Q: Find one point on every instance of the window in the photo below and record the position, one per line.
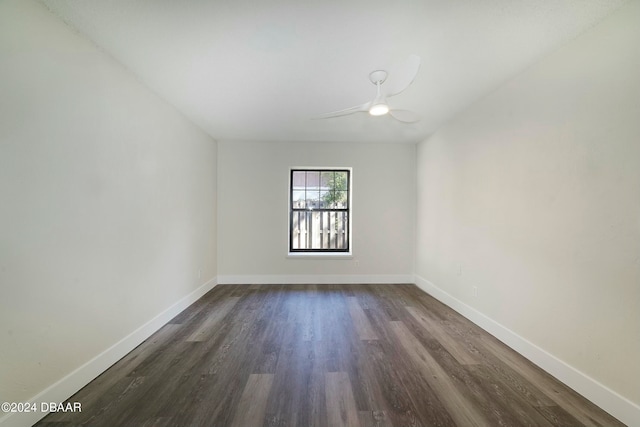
(319, 210)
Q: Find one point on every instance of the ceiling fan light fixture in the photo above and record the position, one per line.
(379, 106)
(379, 109)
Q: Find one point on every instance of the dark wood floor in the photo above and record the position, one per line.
(327, 355)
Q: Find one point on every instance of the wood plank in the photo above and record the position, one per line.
(156, 396)
(408, 399)
(360, 320)
(293, 387)
(558, 416)
(435, 329)
(157, 422)
(516, 409)
(227, 366)
(374, 419)
(203, 305)
(213, 319)
(251, 408)
(310, 331)
(341, 407)
(460, 408)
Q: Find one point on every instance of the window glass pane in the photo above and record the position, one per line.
(327, 180)
(320, 230)
(341, 181)
(313, 180)
(340, 200)
(325, 199)
(298, 180)
(313, 199)
(298, 199)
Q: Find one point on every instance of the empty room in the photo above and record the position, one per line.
(321, 213)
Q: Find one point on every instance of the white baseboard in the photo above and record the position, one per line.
(320, 279)
(607, 399)
(70, 384)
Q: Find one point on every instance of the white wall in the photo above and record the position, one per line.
(253, 211)
(107, 202)
(533, 196)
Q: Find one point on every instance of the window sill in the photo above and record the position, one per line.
(320, 255)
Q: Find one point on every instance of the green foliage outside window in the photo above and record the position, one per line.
(336, 183)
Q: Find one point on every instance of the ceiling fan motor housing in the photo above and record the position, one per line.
(378, 76)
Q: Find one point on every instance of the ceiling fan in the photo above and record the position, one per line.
(379, 105)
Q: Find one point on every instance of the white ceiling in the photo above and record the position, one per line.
(259, 70)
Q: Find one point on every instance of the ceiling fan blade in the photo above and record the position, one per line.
(402, 76)
(405, 116)
(345, 112)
